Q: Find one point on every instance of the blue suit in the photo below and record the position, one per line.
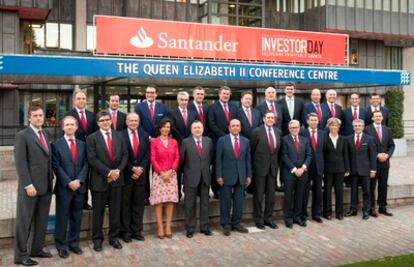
(217, 123)
(182, 130)
(263, 108)
(385, 115)
(246, 127)
(160, 111)
(192, 107)
(348, 118)
(310, 108)
(338, 113)
(69, 204)
(234, 172)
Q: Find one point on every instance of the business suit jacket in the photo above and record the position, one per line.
(386, 146)
(297, 112)
(246, 127)
(218, 125)
(348, 118)
(141, 160)
(100, 163)
(194, 167)
(263, 108)
(65, 169)
(337, 159)
(327, 110)
(385, 115)
(264, 162)
(291, 158)
(310, 108)
(91, 126)
(233, 171)
(120, 120)
(364, 159)
(160, 111)
(205, 113)
(182, 130)
(318, 155)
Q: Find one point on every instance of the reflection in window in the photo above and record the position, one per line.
(50, 110)
(52, 35)
(90, 37)
(65, 36)
(38, 39)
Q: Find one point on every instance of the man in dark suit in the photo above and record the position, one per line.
(316, 168)
(385, 146)
(201, 108)
(355, 111)
(375, 100)
(219, 115)
(315, 107)
(233, 173)
(71, 168)
(196, 155)
(265, 144)
(107, 156)
(249, 117)
(272, 105)
(363, 163)
(133, 191)
(296, 157)
(330, 107)
(33, 159)
(87, 125)
(118, 117)
(292, 107)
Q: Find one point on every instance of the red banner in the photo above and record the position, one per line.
(146, 37)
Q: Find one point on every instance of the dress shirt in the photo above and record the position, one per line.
(272, 133)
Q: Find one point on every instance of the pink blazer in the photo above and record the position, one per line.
(164, 158)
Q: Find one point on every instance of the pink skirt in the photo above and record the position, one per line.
(162, 192)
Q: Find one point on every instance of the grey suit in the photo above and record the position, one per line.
(34, 166)
(196, 177)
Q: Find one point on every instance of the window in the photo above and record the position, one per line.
(90, 37)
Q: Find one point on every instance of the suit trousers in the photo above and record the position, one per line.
(132, 210)
(337, 181)
(294, 190)
(190, 203)
(364, 180)
(69, 207)
(231, 198)
(112, 196)
(382, 178)
(31, 218)
(313, 182)
(264, 185)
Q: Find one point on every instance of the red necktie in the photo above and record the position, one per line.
(357, 142)
(199, 148)
(135, 143)
(319, 112)
(271, 141)
(151, 110)
(83, 120)
(249, 116)
(355, 114)
(273, 109)
(236, 148)
(296, 140)
(226, 112)
(379, 133)
(73, 149)
(200, 113)
(333, 113)
(109, 145)
(43, 142)
(114, 119)
(185, 116)
(314, 141)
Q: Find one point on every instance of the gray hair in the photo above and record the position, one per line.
(294, 122)
(182, 93)
(356, 121)
(132, 114)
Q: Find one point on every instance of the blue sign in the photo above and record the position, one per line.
(171, 69)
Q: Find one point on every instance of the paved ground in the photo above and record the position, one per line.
(329, 244)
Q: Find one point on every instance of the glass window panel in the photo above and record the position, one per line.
(52, 35)
(64, 105)
(342, 2)
(411, 6)
(50, 110)
(302, 6)
(403, 6)
(38, 38)
(378, 5)
(90, 37)
(323, 2)
(386, 5)
(250, 11)
(359, 4)
(223, 9)
(369, 4)
(66, 36)
(395, 7)
(332, 2)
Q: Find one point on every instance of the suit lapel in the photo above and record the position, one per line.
(37, 140)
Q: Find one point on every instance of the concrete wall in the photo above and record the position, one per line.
(9, 32)
(408, 116)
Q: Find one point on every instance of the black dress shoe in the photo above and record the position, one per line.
(115, 244)
(226, 232)
(190, 234)
(27, 262)
(207, 232)
(63, 253)
(260, 226)
(42, 254)
(365, 216)
(280, 188)
(328, 217)
(351, 213)
(386, 213)
(126, 239)
(139, 237)
(272, 225)
(97, 246)
(76, 250)
(289, 225)
(374, 214)
(317, 219)
(87, 207)
(241, 229)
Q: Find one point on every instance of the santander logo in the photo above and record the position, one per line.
(141, 40)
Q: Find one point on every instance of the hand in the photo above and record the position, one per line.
(372, 175)
(31, 191)
(137, 171)
(114, 175)
(299, 172)
(248, 181)
(220, 181)
(135, 177)
(346, 174)
(74, 185)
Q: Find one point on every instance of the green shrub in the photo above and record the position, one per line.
(394, 101)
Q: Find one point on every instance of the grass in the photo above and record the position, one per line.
(399, 261)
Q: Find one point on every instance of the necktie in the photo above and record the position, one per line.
(185, 116)
(319, 112)
(379, 133)
(199, 148)
(357, 142)
(43, 142)
(290, 107)
(296, 140)
(200, 113)
(236, 147)
(135, 143)
(83, 120)
(271, 141)
(355, 114)
(333, 113)
(151, 110)
(109, 146)
(249, 116)
(73, 149)
(314, 142)
(226, 112)
(273, 109)
(114, 119)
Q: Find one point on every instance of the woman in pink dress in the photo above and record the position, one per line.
(165, 158)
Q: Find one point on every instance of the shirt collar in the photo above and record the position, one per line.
(79, 110)
(104, 132)
(130, 131)
(36, 130)
(181, 109)
(67, 138)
